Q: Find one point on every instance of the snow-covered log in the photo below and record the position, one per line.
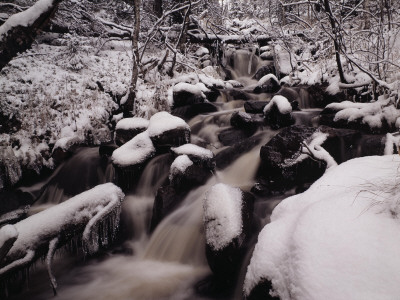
(92, 215)
(20, 30)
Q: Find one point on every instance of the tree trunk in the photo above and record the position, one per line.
(129, 106)
(336, 39)
(158, 10)
(18, 38)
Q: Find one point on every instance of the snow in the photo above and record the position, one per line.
(136, 151)
(187, 87)
(314, 146)
(179, 165)
(88, 208)
(392, 141)
(222, 215)
(337, 240)
(191, 149)
(202, 51)
(132, 123)
(7, 232)
(266, 78)
(372, 114)
(281, 102)
(25, 18)
(164, 121)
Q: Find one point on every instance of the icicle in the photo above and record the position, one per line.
(49, 259)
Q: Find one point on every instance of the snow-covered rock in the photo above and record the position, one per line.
(8, 235)
(187, 94)
(166, 131)
(227, 220)
(278, 112)
(267, 84)
(179, 166)
(337, 240)
(245, 121)
(128, 128)
(197, 154)
(130, 159)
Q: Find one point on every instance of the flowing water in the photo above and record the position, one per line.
(167, 263)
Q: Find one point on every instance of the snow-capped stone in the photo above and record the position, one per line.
(281, 103)
(278, 112)
(179, 165)
(136, 151)
(128, 128)
(202, 51)
(8, 235)
(193, 151)
(267, 84)
(227, 219)
(186, 94)
(222, 215)
(327, 242)
(166, 131)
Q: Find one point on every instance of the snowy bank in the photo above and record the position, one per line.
(337, 240)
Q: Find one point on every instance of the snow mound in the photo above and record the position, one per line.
(189, 88)
(373, 114)
(163, 121)
(266, 78)
(222, 215)
(131, 123)
(136, 151)
(337, 240)
(7, 232)
(179, 165)
(191, 149)
(281, 102)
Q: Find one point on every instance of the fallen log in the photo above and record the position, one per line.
(201, 38)
(93, 216)
(20, 30)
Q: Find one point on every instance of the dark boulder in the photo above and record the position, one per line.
(247, 122)
(267, 84)
(232, 136)
(106, 150)
(236, 94)
(264, 70)
(254, 106)
(261, 291)
(189, 111)
(279, 168)
(171, 138)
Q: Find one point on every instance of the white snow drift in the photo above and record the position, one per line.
(338, 240)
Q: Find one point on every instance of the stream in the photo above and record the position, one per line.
(169, 262)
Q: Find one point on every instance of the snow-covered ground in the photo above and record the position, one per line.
(337, 240)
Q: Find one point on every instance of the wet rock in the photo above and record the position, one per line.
(106, 150)
(189, 111)
(279, 168)
(264, 70)
(289, 93)
(320, 97)
(237, 94)
(267, 84)
(212, 94)
(226, 246)
(255, 107)
(245, 121)
(167, 198)
(231, 136)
